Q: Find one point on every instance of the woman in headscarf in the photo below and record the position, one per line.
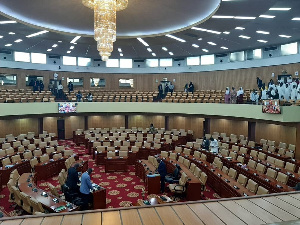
(240, 95)
(227, 96)
(233, 96)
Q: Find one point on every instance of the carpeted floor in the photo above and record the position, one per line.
(122, 189)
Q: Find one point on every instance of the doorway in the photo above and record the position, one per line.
(61, 129)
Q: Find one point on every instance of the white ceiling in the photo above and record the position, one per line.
(144, 17)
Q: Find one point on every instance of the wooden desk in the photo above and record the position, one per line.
(152, 183)
(51, 168)
(23, 167)
(26, 179)
(99, 199)
(116, 164)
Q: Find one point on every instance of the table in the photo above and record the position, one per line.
(99, 199)
(116, 164)
(146, 171)
(23, 167)
(47, 202)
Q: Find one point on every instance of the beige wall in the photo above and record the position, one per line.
(50, 124)
(215, 80)
(194, 123)
(277, 133)
(73, 123)
(144, 121)
(108, 121)
(229, 126)
(18, 126)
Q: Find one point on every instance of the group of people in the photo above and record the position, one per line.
(81, 188)
(189, 87)
(164, 89)
(37, 85)
(234, 97)
(287, 89)
(210, 144)
(89, 97)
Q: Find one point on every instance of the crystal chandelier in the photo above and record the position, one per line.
(105, 23)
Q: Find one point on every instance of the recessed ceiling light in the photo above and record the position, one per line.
(143, 42)
(245, 37)
(49, 50)
(7, 45)
(171, 53)
(153, 54)
(11, 33)
(54, 46)
(279, 9)
(72, 47)
(223, 47)
(149, 49)
(68, 52)
(1, 36)
(199, 39)
(119, 50)
(75, 39)
(164, 48)
(205, 50)
(262, 32)
(226, 32)
(263, 41)
(211, 43)
(223, 17)
(9, 21)
(296, 18)
(244, 17)
(60, 41)
(18, 40)
(38, 33)
(267, 16)
(175, 38)
(284, 36)
(206, 30)
(121, 54)
(240, 28)
(195, 46)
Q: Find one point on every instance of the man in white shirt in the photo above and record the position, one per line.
(214, 145)
(55, 76)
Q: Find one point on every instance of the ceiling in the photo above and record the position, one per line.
(150, 20)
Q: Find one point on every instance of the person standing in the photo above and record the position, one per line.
(78, 96)
(240, 95)
(171, 88)
(214, 145)
(73, 179)
(191, 87)
(85, 189)
(60, 88)
(162, 170)
(233, 95)
(186, 87)
(227, 95)
(160, 91)
(70, 86)
(205, 143)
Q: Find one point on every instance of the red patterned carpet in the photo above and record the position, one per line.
(122, 189)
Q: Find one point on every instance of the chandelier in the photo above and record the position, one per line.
(105, 23)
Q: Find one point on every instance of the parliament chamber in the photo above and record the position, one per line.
(198, 87)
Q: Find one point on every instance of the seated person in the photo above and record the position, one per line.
(173, 177)
(152, 129)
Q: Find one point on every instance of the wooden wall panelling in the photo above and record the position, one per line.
(106, 121)
(18, 126)
(50, 124)
(277, 133)
(144, 121)
(73, 123)
(229, 126)
(187, 123)
(215, 80)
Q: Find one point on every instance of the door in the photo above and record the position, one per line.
(61, 129)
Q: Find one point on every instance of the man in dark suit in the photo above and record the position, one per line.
(162, 170)
(73, 179)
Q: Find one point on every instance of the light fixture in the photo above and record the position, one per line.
(68, 52)
(284, 36)
(239, 28)
(75, 39)
(175, 38)
(267, 16)
(245, 37)
(262, 32)
(143, 42)
(171, 53)
(37, 33)
(164, 48)
(72, 47)
(279, 9)
(296, 18)
(149, 49)
(8, 21)
(223, 47)
(49, 50)
(119, 50)
(54, 46)
(211, 43)
(18, 40)
(11, 33)
(7, 45)
(105, 23)
(153, 54)
(206, 30)
(205, 50)
(195, 46)
(263, 41)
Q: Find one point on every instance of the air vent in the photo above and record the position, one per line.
(178, 59)
(138, 60)
(4, 51)
(191, 35)
(54, 56)
(272, 48)
(221, 55)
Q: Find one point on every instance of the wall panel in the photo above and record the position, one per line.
(229, 126)
(108, 121)
(18, 126)
(73, 123)
(144, 121)
(187, 123)
(277, 133)
(50, 124)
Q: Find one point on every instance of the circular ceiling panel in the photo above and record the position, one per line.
(141, 17)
